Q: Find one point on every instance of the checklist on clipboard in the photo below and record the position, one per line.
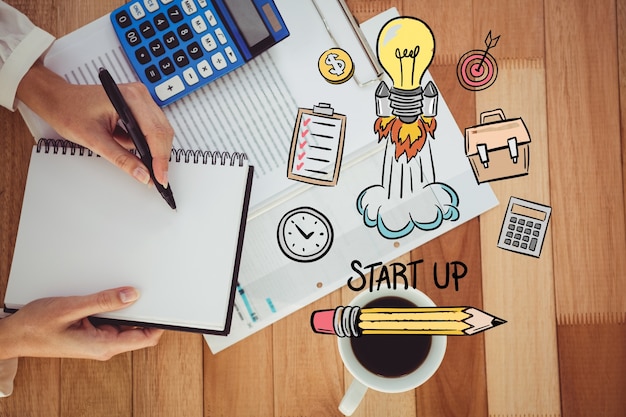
(317, 146)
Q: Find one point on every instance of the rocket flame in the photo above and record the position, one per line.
(408, 138)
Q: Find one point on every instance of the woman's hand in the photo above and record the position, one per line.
(59, 328)
(84, 115)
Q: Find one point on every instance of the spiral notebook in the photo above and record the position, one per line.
(86, 226)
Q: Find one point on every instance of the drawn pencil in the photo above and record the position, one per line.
(353, 321)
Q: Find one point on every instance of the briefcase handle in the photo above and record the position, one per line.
(489, 113)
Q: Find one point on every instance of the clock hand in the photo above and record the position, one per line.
(309, 235)
(304, 235)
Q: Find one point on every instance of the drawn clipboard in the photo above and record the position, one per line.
(317, 146)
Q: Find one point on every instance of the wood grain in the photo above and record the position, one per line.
(562, 352)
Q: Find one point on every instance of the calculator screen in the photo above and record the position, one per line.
(529, 212)
(248, 21)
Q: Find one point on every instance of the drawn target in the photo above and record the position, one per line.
(477, 70)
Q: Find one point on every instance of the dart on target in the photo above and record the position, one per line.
(478, 70)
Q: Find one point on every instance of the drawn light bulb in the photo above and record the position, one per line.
(406, 47)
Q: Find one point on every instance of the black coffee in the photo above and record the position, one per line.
(391, 355)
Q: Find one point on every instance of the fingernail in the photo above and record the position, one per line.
(141, 175)
(128, 295)
(165, 182)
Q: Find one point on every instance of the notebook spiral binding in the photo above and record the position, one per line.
(66, 147)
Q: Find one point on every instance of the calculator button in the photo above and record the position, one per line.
(170, 40)
(169, 88)
(142, 55)
(166, 65)
(194, 50)
(147, 30)
(527, 231)
(521, 221)
(525, 238)
(175, 14)
(202, 3)
(507, 241)
(153, 74)
(184, 32)
(511, 227)
(137, 11)
(529, 224)
(524, 245)
(166, 1)
(160, 21)
(123, 19)
(516, 243)
(218, 60)
(157, 48)
(513, 219)
(220, 36)
(189, 7)
(132, 37)
(180, 58)
(518, 236)
(533, 244)
(198, 24)
(537, 225)
(509, 234)
(204, 68)
(210, 17)
(232, 57)
(208, 42)
(190, 76)
(536, 233)
(151, 5)
(519, 228)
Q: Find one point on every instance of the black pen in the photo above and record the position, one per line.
(132, 127)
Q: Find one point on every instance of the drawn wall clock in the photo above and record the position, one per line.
(304, 234)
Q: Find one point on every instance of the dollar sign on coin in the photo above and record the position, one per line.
(336, 66)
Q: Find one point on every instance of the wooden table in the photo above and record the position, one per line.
(562, 68)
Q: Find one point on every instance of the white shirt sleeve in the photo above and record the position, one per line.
(21, 44)
(8, 369)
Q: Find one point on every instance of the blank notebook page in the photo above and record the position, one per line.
(87, 226)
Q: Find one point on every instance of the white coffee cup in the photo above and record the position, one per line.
(364, 379)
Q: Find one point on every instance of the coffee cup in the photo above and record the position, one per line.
(389, 363)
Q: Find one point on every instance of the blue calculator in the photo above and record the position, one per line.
(178, 46)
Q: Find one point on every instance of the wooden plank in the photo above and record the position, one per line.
(238, 380)
(593, 369)
(522, 365)
(96, 389)
(586, 168)
(308, 378)
(585, 161)
(167, 379)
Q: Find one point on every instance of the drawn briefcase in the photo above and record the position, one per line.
(498, 149)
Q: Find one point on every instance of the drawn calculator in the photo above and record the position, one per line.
(178, 46)
(524, 227)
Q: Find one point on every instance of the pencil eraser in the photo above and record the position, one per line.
(322, 321)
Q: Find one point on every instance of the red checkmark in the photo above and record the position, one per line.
(301, 155)
(306, 132)
(299, 166)
(306, 122)
(303, 144)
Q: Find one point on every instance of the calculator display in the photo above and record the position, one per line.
(178, 46)
(528, 212)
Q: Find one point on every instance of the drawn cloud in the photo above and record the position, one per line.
(397, 217)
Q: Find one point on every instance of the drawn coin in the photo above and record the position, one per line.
(336, 66)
